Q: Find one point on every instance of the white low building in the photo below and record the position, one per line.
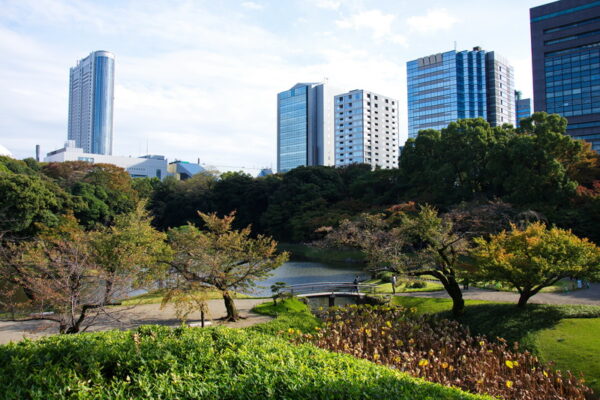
(149, 166)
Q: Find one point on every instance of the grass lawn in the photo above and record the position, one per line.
(573, 344)
(566, 334)
(385, 287)
(156, 297)
(562, 286)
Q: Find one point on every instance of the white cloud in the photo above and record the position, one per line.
(328, 4)
(379, 23)
(252, 5)
(435, 20)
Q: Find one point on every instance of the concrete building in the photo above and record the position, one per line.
(445, 87)
(366, 129)
(183, 170)
(523, 107)
(150, 166)
(305, 132)
(91, 94)
(565, 47)
(500, 85)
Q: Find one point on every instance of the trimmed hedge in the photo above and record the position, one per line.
(156, 362)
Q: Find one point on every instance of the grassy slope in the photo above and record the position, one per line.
(573, 344)
(537, 328)
(155, 362)
(386, 287)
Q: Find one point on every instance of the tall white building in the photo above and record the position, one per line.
(366, 129)
(305, 130)
(91, 94)
(500, 84)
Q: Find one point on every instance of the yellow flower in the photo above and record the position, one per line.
(397, 359)
(509, 384)
(545, 374)
(317, 328)
(291, 331)
(388, 323)
(516, 363)
(376, 356)
(451, 368)
(482, 343)
(399, 342)
(444, 365)
(509, 364)
(423, 363)
(413, 309)
(411, 341)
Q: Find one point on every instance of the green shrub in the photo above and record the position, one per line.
(416, 285)
(155, 362)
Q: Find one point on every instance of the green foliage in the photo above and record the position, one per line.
(155, 362)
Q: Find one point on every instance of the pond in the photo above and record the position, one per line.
(297, 272)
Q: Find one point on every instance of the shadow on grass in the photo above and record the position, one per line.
(518, 325)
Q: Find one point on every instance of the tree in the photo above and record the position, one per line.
(222, 258)
(408, 240)
(533, 258)
(71, 275)
(130, 250)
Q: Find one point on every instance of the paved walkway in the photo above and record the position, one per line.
(132, 317)
(589, 296)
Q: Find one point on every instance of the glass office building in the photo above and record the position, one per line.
(523, 107)
(445, 87)
(91, 97)
(366, 129)
(565, 45)
(305, 126)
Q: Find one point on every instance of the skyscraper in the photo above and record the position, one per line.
(366, 129)
(305, 126)
(500, 78)
(448, 86)
(565, 47)
(523, 108)
(91, 97)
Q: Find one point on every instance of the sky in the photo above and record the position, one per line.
(199, 79)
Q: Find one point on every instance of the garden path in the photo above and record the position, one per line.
(132, 317)
(589, 296)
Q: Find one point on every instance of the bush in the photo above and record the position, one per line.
(442, 351)
(155, 362)
(416, 285)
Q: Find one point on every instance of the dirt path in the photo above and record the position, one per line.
(132, 317)
(589, 296)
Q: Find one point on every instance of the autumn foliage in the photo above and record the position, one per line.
(442, 351)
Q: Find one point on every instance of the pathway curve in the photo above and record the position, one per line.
(129, 318)
(589, 296)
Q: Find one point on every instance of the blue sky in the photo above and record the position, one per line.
(198, 79)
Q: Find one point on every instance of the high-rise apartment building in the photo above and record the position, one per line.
(445, 87)
(523, 107)
(91, 94)
(305, 132)
(565, 46)
(500, 86)
(366, 129)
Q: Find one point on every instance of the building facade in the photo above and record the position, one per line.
(366, 129)
(523, 108)
(305, 126)
(445, 87)
(500, 86)
(565, 46)
(91, 95)
(150, 166)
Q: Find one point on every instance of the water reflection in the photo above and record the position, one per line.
(297, 272)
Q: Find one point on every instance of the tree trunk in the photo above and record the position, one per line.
(232, 313)
(458, 303)
(525, 296)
